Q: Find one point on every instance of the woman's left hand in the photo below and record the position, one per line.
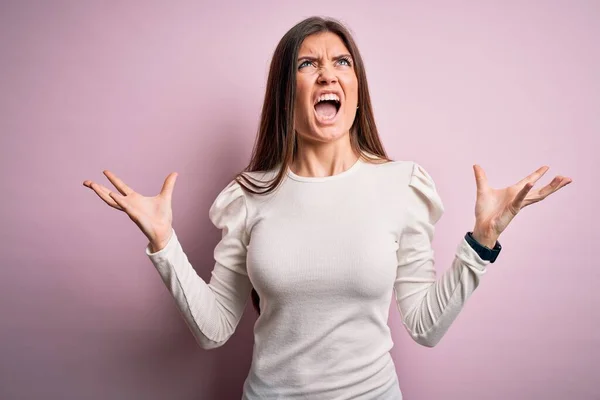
(495, 208)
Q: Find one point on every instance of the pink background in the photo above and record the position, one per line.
(147, 88)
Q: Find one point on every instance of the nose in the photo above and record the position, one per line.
(327, 75)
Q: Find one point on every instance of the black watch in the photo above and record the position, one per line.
(484, 252)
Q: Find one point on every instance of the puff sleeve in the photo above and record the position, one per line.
(213, 310)
(428, 303)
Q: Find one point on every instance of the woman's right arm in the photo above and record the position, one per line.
(211, 310)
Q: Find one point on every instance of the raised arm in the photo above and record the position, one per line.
(428, 303)
(213, 310)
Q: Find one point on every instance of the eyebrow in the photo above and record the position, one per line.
(311, 58)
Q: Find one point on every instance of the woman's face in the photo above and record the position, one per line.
(326, 89)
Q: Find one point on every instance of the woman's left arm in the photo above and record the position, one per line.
(429, 303)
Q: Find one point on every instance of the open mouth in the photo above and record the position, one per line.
(327, 107)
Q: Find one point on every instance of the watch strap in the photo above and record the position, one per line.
(483, 251)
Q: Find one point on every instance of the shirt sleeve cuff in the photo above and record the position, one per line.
(165, 250)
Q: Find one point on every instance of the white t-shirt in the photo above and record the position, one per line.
(325, 255)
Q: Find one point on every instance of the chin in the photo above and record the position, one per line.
(327, 134)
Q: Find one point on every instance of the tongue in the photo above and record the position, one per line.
(325, 109)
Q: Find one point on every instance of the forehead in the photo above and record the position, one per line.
(322, 43)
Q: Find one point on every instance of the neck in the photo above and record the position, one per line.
(319, 159)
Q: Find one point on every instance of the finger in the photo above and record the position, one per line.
(103, 193)
(534, 176)
(517, 202)
(480, 177)
(564, 181)
(120, 200)
(557, 183)
(118, 183)
(169, 185)
(551, 187)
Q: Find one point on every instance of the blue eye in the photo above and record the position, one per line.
(307, 63)
(346, 60)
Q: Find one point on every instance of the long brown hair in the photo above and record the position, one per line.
(276, 141)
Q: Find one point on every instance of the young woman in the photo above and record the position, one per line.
(320, 230)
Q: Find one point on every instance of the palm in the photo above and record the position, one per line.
(153, 215)
(495, 208)
(150, 213)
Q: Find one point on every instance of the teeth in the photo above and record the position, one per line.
(328, 96)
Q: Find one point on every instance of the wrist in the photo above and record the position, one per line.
(160, 242)
(487, 239)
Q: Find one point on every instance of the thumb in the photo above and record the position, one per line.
(480, 177)
(169, 185)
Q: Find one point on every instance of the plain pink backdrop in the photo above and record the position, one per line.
(146, 88)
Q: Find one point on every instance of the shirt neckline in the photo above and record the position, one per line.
(340, 175)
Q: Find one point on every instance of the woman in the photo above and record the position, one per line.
(321, 227)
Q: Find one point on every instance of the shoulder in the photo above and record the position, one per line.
(235, 197)
(398, 172)
(410, 180)
(409, 172)
(235, 187)
(423, 195)
(229, 201)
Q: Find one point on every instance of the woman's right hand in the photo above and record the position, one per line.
(153, 215)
